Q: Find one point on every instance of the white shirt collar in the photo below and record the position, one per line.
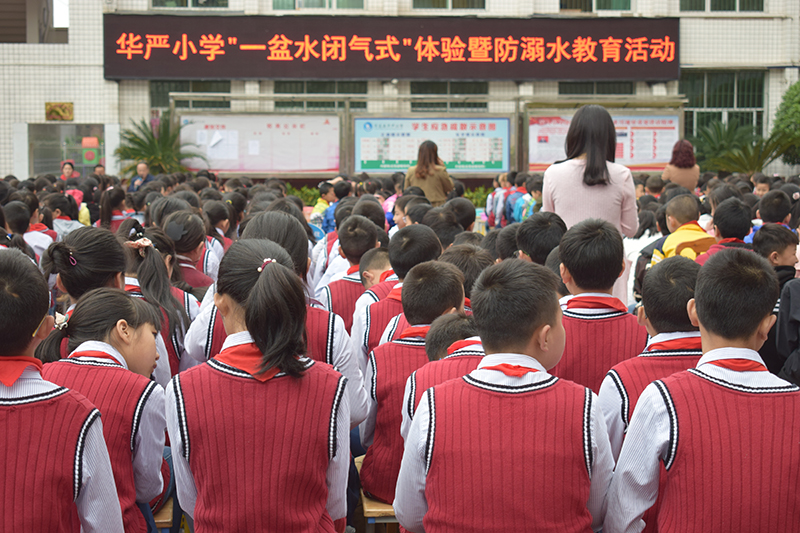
(511, 359)
(132, 281)
(98, 346)
(663, 337)
(730, 353)
(237, 339)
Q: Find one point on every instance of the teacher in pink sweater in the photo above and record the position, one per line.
(589, 184)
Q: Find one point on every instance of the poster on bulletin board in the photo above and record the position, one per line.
(644, 140)
(466, 145)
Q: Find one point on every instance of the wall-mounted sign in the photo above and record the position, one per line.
(325, 47)
(59, 111)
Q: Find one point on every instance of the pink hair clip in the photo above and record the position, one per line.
(267, 261)
(72, 260)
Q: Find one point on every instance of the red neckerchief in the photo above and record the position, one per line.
(352, 270)
(38, 227)
(467, 303)
(516, 371)
(415, 331)
(11, 368)
(458, 345)
(739, 365)
(118, 215)
(596, 302)
(395, 294)
(63, 218)
(386, 274)
(133, 288)
(684, 343)
(247, 357)
(732, 239)
(95, 354)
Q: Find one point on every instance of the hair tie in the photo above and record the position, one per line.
(61, 326)
(72, 260)
(796, 196)
(175, 231)
(267, 261)
(139, 244)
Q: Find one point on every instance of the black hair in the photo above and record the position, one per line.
(470, 260)
(758, 177)
(285, 230)
(464, 211)
(109, 200)
(166, 247)
(287, 206)
(722, 193)
(647, 223)
(673, 191)
(214, 212)
(325, 188)
(414, 191)
(517, 294)
(732, 219)
(553, 262)
(24, 301)
(775, 206)
(237, 201)
(683, 208)
(163, 207)
(186, 230)
(654, 184)
(444, 223)
(257, 275)
(507, 242)
(539, 234)
(190, 197)
(489, 242)
(375, 258)
(63, 202)
(593, 252)
(446, 330)
(296, 200)
(408, 200)
(342, 189)
(88, 258)
(95, 317)
(666, 289)
(416, 213)
(357, 235)
(343, 209)
(592, 132)
(735, 290)
(458, 190)
(18, 217)
(369, 207)
(468, 237)
(430, 289)
(411, 246)
(773, 238)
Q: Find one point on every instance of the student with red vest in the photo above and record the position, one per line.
(722, 435)
(56, 474)
(600, 331)
(290, 411)
(188, 233)
(357, 235)
(508, 447)
(410, 246)
(454, 349)
(430, 290)
(112, 204)
(112, 345)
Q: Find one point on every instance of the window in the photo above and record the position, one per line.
(194, 3)
(585, 6)
(595, 87)
(722, 5)
(449, 4)
(459, 88)
(159, 93)
(723, 95)
(317, 4)
(319, 87)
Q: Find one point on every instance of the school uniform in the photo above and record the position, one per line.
(191, 275)
(226, 241)
(41, 228)
(55, 463)
(340, 296)
(399, 323)
(337, 269)
(376, 293)
(600, 334)
(508, 447)
(368, 326)
(726, 433)
(275, 462)
(208, 264)
(322, 254)
(388, 369)
(133, 410)
(462, 358)
(117, 218)
(63, 226)
(38, 241)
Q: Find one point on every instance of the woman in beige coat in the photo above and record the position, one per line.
(430, 175)
(682, 168)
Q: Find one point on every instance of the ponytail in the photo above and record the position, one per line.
(109, 200)
(214, 212)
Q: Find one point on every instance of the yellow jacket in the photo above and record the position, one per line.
(689, 240)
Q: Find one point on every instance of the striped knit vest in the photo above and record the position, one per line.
(379, 291)
(259, 452)
(194, 277)
(120, 395)
(319, 334)
(436, 372)
(343, 294)
(378, 316)
(393, 362)
(170, 340)
(42, 439)
(216, 334)
(733, 458)
(508, 459)
(594, 345)
(397, 325)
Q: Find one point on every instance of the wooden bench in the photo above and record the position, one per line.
(164, 517)
(375, 512)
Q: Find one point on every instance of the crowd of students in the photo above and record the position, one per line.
(194, 340)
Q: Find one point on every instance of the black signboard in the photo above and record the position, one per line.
(337, 47)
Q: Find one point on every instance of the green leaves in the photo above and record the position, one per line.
(735, 148)
(787, 120)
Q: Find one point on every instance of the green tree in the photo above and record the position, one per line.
(787, 120)
(717, 139)
(160, 148)
(755, 155)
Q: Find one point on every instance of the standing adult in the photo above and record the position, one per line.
(142, 176)
(430, 175)
(67, 169)
(682, 169)
(589, 184)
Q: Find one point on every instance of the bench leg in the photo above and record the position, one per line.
(370, 525)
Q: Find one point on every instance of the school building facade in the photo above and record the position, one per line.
(736, 59)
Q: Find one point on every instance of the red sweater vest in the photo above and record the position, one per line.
(170, 340)
(382, 289)
(436, 372)
(394, 362)
(259, 464)
(734, 457)
(399, 327)
(120, 395)
(378, 316)
(42, 439)
(319, 334)
(194, 277)
(343, 295)
(594, 345)
(517, 458)
(216, 334)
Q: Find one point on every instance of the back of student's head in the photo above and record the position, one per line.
(507, 242)
(430, 289)
(374, 259)
(489, 242)
(95, 317)
(774, 206)
(357, 235)
(772, 238)
(446, 330)
(760, 178)
(342, 189)
(683, 208)
(186, 230)
(667, 288)
(409, 200)
(539, 234)
(416, 213)
(553, 263)
(468, 237)
(88, 258)
(18, 217)
(470, 260)
(464, 211)
(109, 201)
(163, 207)
(343, 209)
(510, 301)
(285, 230)
(368, 206)
(24, 301)
(411, 246)
(736, 289)
(654, 184)
(732, 219)
(444, 223)
(592, 252)
(286, 205)
(721, 193)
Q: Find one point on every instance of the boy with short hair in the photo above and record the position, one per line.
(722, 431)
(686, 237)
(326, 197)
(600, 331)
(508, 447)
(56, 460)
(446, 331)
(653, 186)
(430, 290)
(762, 184)
(538, 235)
(775, 207)
(373, 265)
(507, 242)
(731, 225)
